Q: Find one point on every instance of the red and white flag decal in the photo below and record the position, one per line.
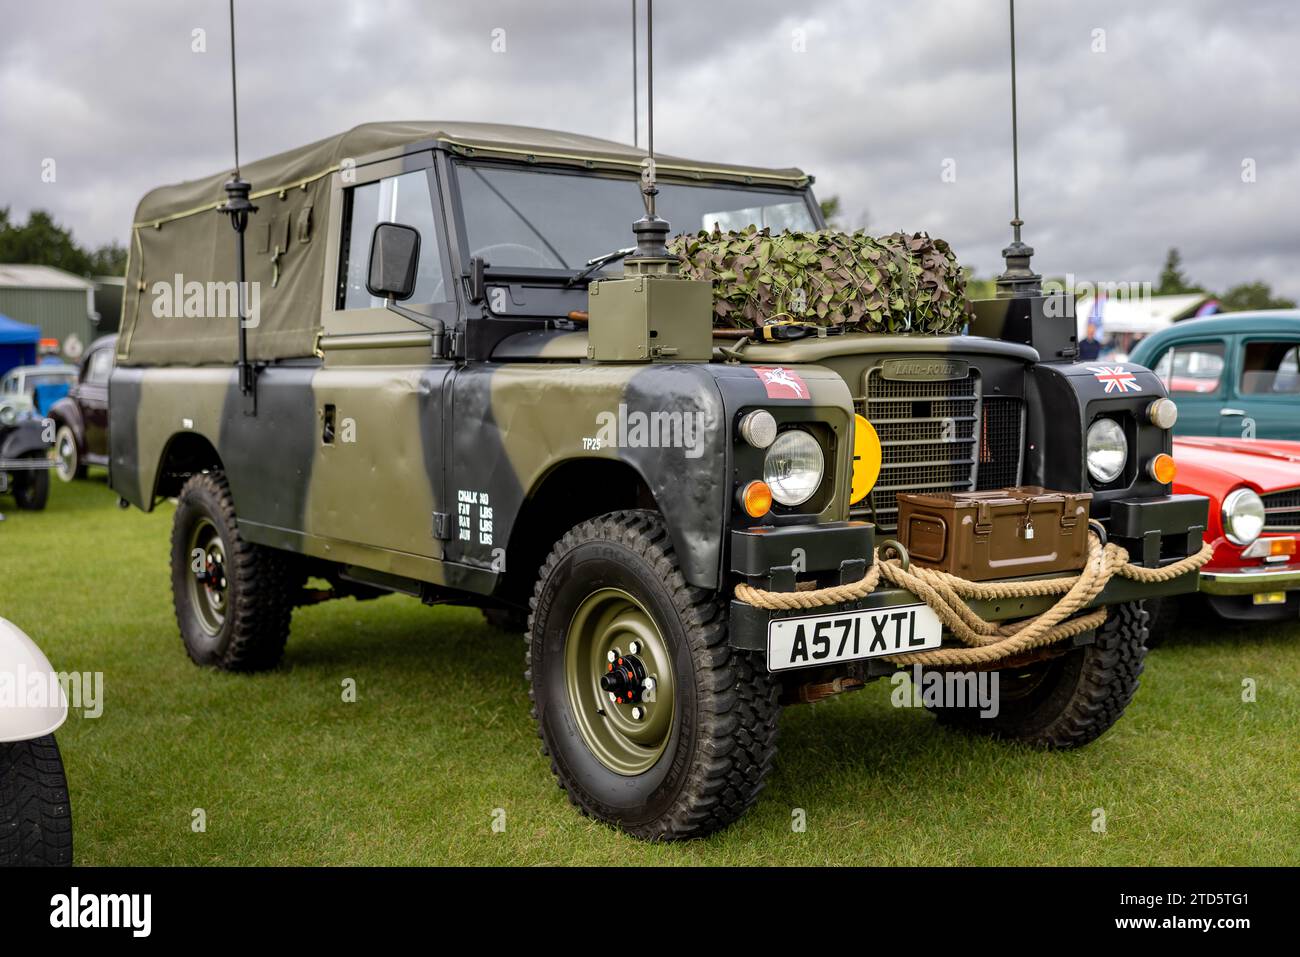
(782, 383)
(1115, 378)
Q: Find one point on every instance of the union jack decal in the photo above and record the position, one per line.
(1115, 378)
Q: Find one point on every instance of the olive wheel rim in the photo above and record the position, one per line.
(65, 454)
(208, 582)
(630, 735)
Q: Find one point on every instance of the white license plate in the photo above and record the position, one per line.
(850, 635)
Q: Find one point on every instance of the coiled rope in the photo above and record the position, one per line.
(988, 641)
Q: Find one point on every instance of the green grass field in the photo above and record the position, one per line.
(440, 737)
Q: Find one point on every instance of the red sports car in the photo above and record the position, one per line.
(1254, 523)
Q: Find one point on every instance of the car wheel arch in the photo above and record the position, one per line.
(184, 454)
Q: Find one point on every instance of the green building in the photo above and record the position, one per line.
(60, 304)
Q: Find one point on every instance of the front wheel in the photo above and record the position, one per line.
(653, 723)
(1070, 700)
(32, 489)
(35, 816)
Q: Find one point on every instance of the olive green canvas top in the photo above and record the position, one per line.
(178, 232)
(371, 140)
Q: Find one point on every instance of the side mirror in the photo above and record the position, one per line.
(394, 254)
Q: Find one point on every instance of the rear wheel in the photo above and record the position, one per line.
(233, 599)
(652, 722)
(1070, 700)
(67, 455)
(32, 487)
(35, 816)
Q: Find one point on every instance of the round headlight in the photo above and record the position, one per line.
(758, 428)
(1107, 451)
(794, 466)
(8, 415)
(1243, 516)
(1163, 413)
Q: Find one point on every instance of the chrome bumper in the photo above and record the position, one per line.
(1249, 581)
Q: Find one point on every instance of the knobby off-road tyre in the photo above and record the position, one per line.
(1069, 701)
(233, 599)
(702, 749)
(32, 488)
(35, 816)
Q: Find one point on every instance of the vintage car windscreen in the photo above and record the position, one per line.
(551, 220)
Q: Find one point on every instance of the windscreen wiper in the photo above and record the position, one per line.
(600, 261)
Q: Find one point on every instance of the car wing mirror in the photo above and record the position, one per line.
(394, 255)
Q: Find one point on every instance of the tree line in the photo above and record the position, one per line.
(42, 242)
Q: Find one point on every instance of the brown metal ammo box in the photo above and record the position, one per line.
(1006, 533)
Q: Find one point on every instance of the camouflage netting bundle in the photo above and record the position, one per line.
(899, 283)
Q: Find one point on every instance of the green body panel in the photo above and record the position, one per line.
(472, 443)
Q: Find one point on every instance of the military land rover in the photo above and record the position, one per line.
(448, 387)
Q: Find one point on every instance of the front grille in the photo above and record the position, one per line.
(931, 436)
(1001, 435)
(1282, 511)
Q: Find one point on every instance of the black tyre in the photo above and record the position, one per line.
(35, 816)
(681, 756)
(1070, 700)
(233, 599)
(32, 488)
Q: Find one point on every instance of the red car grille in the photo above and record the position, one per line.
(1282, 511)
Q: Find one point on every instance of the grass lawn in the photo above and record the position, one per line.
(440, 737)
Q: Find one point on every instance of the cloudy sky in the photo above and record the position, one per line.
(1143, 125)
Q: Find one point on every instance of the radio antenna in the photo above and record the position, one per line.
(651, 231)
(1019, 277)
(238, 207)
(649, 189)
(234, 87)
(636, 107)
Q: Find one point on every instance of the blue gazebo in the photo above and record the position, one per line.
(17, 343)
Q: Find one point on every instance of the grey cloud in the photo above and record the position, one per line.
(1123, 153)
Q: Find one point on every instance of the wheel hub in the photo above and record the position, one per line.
(625, 679)
(213, 573)
(209, 581)
(619, 674)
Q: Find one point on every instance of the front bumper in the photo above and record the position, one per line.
(33, 464)
(1251, 581)
(1162, 530)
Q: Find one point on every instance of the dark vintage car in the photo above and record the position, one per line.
(25, 461)
(81, 417)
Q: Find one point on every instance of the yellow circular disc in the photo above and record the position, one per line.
(866, 459)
